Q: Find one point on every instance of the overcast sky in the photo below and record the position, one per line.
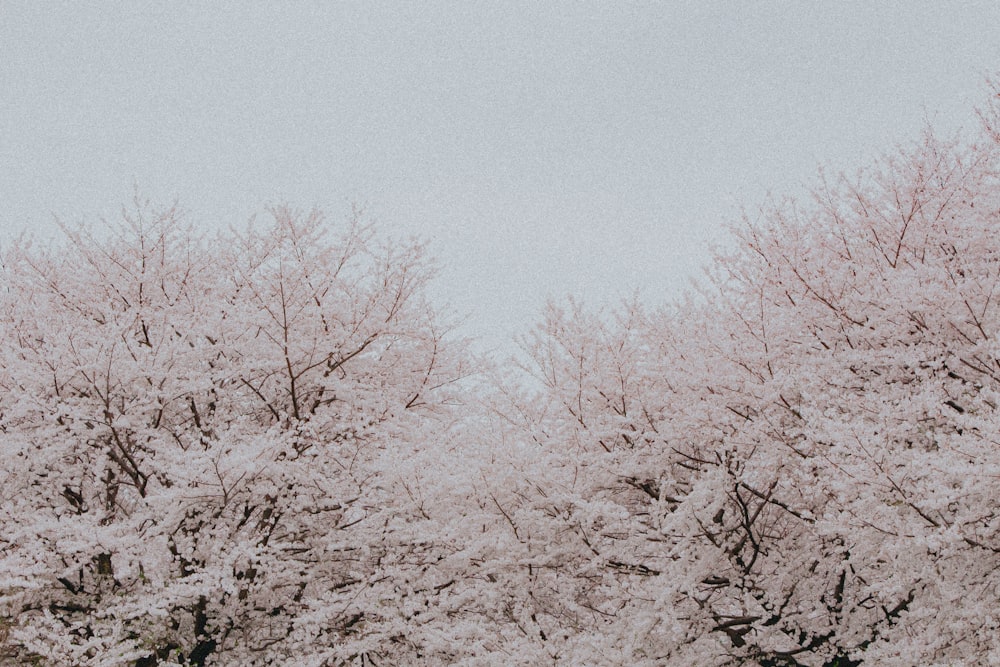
(544, 148)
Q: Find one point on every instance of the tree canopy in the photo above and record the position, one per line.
(265, 447)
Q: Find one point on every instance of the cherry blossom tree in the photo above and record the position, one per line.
(206, 443)
(840, 508)
(572, 488)
(795, 468)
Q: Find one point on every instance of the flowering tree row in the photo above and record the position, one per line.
(265, 447)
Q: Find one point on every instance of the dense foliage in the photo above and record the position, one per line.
(263, 448)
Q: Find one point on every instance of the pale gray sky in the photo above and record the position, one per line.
(542, 147)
